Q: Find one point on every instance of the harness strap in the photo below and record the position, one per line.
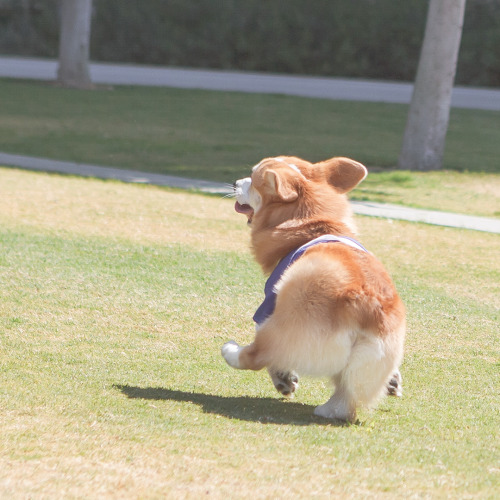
(267, 307)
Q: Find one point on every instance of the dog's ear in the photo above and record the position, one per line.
(280, 186)
(343, 174)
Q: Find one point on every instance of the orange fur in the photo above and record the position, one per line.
(337, 311)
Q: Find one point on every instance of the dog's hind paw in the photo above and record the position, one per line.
(336, 409)
(395, 385)
(286, 383)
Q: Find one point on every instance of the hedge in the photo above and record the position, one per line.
(351, 38)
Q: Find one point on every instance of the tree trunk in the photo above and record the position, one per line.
(427, 124)
(74, 44)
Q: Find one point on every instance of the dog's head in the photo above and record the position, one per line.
(284, 188)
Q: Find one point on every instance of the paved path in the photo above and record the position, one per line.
(363, 208)
(133, 176)
(240, 81)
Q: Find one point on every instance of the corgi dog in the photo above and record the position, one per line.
(330, 308)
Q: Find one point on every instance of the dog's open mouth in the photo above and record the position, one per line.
(244, 209)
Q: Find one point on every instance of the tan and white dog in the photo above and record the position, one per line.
(331, 309)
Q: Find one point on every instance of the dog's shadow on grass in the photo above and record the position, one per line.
(253, 409)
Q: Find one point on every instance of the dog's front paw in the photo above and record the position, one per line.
(395, 385)
(285, 382)
(231, 353)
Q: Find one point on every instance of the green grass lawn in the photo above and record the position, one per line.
(114, 302)
(219, 136)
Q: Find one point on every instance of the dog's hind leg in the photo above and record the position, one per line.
(362, 381)
(341, 406)
(286, 383)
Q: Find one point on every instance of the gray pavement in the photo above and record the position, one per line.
(434, 217)
(363, 208)
(132, 176)
(241, 81)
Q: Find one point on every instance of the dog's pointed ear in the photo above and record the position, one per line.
(280, 186)
(343, 174)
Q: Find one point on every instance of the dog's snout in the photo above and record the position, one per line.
(242, 185)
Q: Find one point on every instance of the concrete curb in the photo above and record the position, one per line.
(434, 217)
(371, 209)
(132, 176)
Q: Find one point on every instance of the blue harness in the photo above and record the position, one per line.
(267, 307)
